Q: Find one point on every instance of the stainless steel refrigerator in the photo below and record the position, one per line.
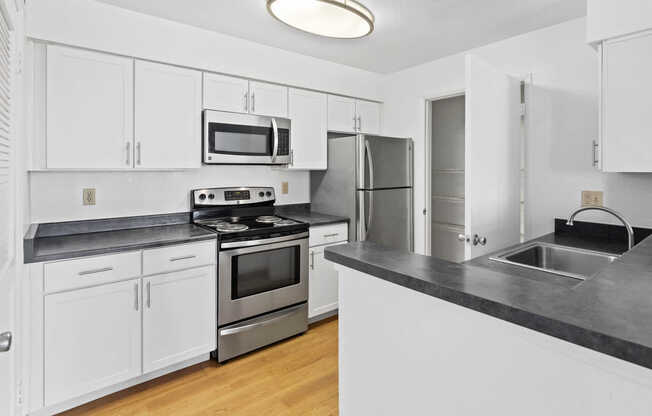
(369, 180)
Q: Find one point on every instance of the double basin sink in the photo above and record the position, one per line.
(560, 260)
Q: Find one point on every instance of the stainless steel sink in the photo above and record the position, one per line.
(566, 261)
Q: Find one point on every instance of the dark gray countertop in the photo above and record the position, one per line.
(303, 213)
(64, 240)
(610, 312)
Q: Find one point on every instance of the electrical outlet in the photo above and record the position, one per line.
(592, 198)
(284, 187)
(88, 196)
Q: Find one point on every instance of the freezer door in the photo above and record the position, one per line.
(386, 162)
(385, 217)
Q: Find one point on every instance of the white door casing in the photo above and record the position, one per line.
(492, 158)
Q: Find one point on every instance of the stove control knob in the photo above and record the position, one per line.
(202, 196)
(211, 196)
(261, 194)
(269, 193)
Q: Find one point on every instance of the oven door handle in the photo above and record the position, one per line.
(275, 135)
(249, 327)
(265, 241)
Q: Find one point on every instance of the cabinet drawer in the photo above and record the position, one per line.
(70, 274)
(184, 256)
(327, 234)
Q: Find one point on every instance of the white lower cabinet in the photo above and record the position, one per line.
(322, 287)
(92, 339)
(179, 317)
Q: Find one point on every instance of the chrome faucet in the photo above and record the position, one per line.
(626, 223)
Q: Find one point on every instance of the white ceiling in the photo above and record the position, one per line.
(408, 32)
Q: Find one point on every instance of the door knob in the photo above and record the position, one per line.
(462, 237)
(479, 240)
(5, 341)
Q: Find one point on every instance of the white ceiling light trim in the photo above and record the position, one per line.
(344, 19)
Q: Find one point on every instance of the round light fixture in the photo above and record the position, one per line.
(345, 19)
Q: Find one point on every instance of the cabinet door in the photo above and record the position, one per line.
(341, 114)
(322, 296)
(168, 116)
(627, 104)
(309, 114)
(92, 339)
(268, 99)
(226, 93)
(89, 109)
(179, 316)
(368, 117)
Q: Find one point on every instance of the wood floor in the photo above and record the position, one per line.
(294, 377)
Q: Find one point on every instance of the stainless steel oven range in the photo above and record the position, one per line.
(262, 268)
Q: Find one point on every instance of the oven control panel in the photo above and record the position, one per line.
(232, 196)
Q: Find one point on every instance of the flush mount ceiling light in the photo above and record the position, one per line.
(345, 19)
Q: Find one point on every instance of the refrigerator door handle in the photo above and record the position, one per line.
(370, 163)
(371, 209)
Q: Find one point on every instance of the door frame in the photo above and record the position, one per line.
(428, 100)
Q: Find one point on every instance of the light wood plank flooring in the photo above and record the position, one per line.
(295, 377)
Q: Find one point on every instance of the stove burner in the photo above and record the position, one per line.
(268, 219)
(226, 227)
(285, 222)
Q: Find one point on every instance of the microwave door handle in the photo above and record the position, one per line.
(275, 136)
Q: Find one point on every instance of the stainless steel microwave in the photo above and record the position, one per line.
(232, 138)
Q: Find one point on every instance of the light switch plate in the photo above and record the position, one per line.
(88, 196)
(592, 198)
(284, 187)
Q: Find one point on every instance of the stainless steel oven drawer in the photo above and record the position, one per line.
(245, 336)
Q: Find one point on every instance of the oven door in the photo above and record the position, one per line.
(261, 277)
(231, 138)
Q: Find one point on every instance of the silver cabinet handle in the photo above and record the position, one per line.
(149, 295)
(138, 153)
(246, 101)
(359, 123)
(275, 134)
(253, 102)
(94, 271)
(192, 256)
(312, 260)
(5, 341)
(136, 296)
(355, 124)
(128, 161)
(595, 147)
(331, 235)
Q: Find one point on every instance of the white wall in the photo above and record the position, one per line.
(610, 18)
(94, 25)
(562, 121)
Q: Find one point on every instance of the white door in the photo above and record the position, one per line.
(92, 339)
(368, 117)
(492, 159)
(268, 99)
(168, 116)
(322, 290)
(179, 316)
(341, 114)
(7, 332)
(89, 109)
(224, 93)
(308, 112)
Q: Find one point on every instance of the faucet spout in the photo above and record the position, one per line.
(626, 223)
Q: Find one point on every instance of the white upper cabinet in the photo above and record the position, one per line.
(89, 109)
(224, 93)
(308, 112)
(348, 115)
(268, 99)
(341, 114)
(168, 116)
(179, 317)
(626, 105)
(368, 114)
(92, 339)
